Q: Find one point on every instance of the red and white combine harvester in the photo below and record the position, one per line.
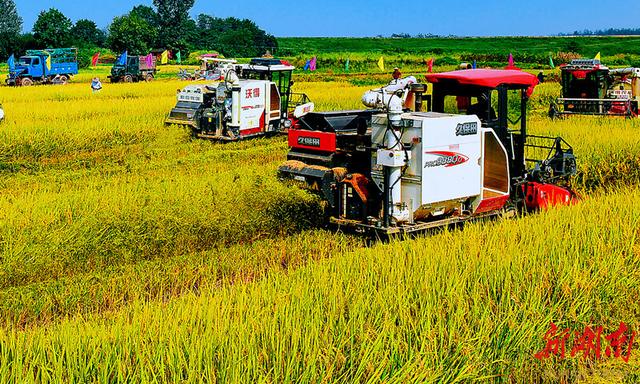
(253, 100)
(391, 170)
(590, 88)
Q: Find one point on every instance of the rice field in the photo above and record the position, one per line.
(132, 253)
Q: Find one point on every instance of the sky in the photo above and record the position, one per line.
(361, 18)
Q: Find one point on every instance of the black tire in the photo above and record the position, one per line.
(553, 112)
(64, 79)
(26, 82)
(148, 77)
(128, 79)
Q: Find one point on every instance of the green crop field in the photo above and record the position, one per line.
(130, 252)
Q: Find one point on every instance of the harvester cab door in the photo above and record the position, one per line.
(275, 113)
(282, 79)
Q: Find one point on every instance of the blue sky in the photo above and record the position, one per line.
(377, 17)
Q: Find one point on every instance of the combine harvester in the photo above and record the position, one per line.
(253, 100)
(212, 69)
(390, 170)
(49, 66)
(590, 88)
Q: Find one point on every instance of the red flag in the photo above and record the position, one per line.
(94, 59)
(511, 62)
(430, 65)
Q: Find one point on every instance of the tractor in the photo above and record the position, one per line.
(394, 169)
(590, 88)
(136, 69)
(254, 100)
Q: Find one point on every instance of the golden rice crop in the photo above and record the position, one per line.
(456, 306)
(176, 259)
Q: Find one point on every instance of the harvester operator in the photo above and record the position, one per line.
(483, 109)
(396, 73)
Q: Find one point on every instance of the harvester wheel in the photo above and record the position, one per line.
(149, 77)
(64, 79)
(26, 82)
(128, 79)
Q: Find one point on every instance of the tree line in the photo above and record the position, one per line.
(166, 25)
(608, 32)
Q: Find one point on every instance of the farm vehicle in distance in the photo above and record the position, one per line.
(211, 68)
(137, 68)
(254, 100)
(590, 88)
(48, 66)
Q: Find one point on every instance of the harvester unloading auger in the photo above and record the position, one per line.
(253, 100)
(391, 170)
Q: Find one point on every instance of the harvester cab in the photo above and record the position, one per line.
(395, 170)
(590, 88)
(253, 100)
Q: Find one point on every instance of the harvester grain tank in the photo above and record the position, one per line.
(254, 100)
(48, 66)
(390, 170)
(590, 88)
(135, 69)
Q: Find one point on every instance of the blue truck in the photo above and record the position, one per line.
(47, 66)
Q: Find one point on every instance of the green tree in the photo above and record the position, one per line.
(10, 28)
(52, 29)
(147, 14)
(232, 36)
(86, 33)
(174, 23)
(131, 33)
(10, 21)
